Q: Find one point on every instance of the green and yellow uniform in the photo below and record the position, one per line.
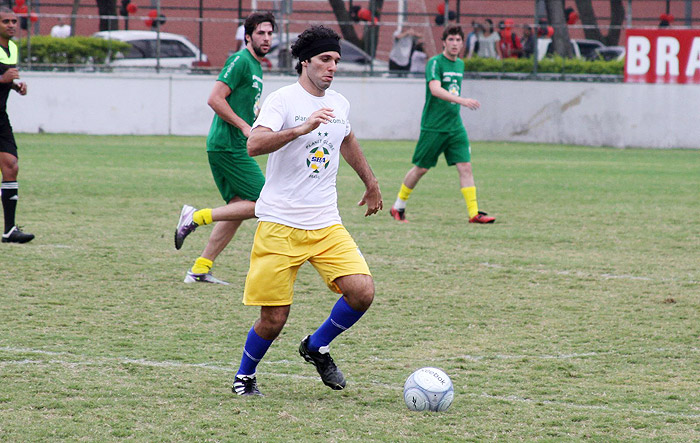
(442, 130)
(234, 171)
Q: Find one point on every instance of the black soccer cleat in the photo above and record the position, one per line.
(329, 372)
(246, 385)
(17, 236)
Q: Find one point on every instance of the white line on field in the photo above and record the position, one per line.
(285, 361)
(587, 274)
(87, 361)
(520, 357)
(516, 399)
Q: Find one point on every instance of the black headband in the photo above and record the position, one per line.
(318, 46)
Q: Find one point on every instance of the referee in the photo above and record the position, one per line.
(8, 148)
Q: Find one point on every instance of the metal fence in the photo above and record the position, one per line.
(209, 27)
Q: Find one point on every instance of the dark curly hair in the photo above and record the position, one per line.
(255, 19)
(308, 36)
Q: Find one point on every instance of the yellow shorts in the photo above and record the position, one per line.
(279, 251)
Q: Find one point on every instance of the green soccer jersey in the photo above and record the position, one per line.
(441, 115)
(243, 74)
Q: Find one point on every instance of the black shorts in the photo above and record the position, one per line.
(7, 138)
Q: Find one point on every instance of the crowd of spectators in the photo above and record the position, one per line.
(485, 40)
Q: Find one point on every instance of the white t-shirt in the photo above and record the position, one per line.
(300, 178)
(487, 45)
(240, 34)
(60, 31)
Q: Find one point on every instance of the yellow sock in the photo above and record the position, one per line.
(405, 192)
(470, 197)
(202, 217)
(202, 265)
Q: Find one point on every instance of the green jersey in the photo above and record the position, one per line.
(243, 74)
(441, 115)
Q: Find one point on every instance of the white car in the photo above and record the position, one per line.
(352, 58)
(176, 52)
(582, 48)
(611, 52)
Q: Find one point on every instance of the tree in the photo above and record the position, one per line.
(560, 41)
(370, 33)
(592, 31)
(108, 8)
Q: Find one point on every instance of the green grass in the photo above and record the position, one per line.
(575, 317)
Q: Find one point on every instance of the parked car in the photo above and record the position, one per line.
(582, 48)
(352, 58)
(608, 53)
(176, 51)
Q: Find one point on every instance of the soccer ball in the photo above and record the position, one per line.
(428, 389)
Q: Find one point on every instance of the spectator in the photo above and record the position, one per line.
(511, 47)
(665, 20)
(489, 42)
(528, 42)
(544, 30)
(61, 29)
(472, 42)
(400, 55)
(418, 60)
(240, 38)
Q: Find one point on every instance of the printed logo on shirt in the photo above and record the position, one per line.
(230, 66)
(256, 106)
(318, 160)
(453, 89)
(301, 118)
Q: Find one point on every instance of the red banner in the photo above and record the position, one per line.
(662, 56)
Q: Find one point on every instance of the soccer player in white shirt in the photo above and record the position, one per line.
(305, 129)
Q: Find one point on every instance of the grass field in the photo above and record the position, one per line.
(575, 317)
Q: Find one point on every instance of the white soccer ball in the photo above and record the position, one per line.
(428, 389)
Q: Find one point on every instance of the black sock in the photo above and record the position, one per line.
(9, 203)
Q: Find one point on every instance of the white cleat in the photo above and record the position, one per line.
(203, 278)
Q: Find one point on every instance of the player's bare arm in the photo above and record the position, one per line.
(9, 75)
(439, 92)
(217, 101)
(352, 153)
(263, 140)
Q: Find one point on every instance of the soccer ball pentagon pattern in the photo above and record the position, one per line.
(428, 389)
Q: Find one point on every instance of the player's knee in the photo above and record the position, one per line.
(464, 167)
(361, 296)
(271, 322)
(10, 170)
(421, 171)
